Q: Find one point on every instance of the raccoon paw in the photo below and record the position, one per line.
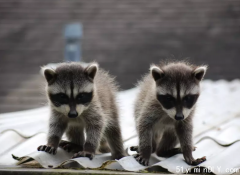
(141, 159)
(47, 148)
(197, 161)
(65, 145)
(169, 153)
(134, 148)
(118, 156)
(84, 154)
(70, 147)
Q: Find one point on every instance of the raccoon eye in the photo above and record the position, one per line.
(83, 98)
(167, 101)
(59, 99)
(63, 98)
(189, 100)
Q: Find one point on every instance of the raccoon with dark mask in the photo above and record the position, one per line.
(164, 111)
(82, 99)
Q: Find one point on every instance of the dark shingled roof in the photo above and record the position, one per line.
(123, 36)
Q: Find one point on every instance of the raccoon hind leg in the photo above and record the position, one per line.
(154, 145)
(104, 147)
(76, 139)
(166, 147)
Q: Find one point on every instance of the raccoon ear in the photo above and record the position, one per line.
(91, 70)
(199, 72)
(156, 72)
(50, 75)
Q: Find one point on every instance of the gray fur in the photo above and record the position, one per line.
(98, 118)
(157, 127)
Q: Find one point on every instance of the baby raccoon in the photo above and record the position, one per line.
(164, 111)
(82, 99)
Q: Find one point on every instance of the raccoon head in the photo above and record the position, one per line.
(178, 87)
(70, 87)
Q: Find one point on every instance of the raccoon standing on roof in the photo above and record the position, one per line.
(164, 111)
(82, 99)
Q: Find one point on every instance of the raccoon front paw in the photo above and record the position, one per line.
(47, 148)
(118, 156)
(70, 147)
(141, 159)
(196, 161)
(65, 145)
(134, 148)
(84, 154)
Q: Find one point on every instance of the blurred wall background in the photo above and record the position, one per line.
(123, 36)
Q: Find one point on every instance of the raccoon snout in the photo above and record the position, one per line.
(72, 114)
(179, 116)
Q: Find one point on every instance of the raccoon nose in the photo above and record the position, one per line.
(179, 117)
(72, 114)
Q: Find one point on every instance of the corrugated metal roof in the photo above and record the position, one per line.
(216, 134)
